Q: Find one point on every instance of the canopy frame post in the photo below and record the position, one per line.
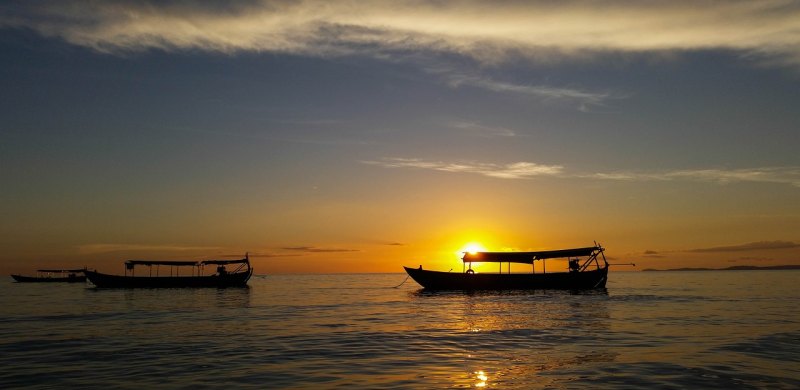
(593, 259)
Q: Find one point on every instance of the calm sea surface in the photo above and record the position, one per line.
(734, 329)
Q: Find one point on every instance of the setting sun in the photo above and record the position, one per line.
(471, 248)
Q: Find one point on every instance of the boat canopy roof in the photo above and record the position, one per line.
(223, 262)
(60, 270)
(526, 257)
(184, 263)
(161, 262)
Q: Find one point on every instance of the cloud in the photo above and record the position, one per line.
(312, 122)
(585, 98)
(767, 175)
(89, 249)
(760, 245)
(780, 175)
(652, 254)
(271, 254)
(751, 258)
(312, 249)
(479, 130)
(489, 32)
(527, 170)
(517, 170)
(455, 77)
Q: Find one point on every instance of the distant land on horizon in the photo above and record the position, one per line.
(733, 268)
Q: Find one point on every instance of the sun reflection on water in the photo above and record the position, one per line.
(482, 378)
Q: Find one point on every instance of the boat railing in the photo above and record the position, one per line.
(48, 273)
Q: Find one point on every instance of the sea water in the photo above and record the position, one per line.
(726, 329)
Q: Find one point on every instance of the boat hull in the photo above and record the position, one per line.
(437, 280)
(36, 279)
(237, 279)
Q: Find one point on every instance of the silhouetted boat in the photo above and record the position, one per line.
(221, 278)
(53, 276)
(585, 272)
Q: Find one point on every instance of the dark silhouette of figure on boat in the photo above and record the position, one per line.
(574, 266)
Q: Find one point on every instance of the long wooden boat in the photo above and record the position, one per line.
(585, 272)
(53, 276)
(220, 279)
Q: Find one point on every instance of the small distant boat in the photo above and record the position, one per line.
(585, 272)
(53, 276)
(221, 278)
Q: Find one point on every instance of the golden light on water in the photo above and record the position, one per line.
(482, 378)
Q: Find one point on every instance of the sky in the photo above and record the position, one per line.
(352, 136)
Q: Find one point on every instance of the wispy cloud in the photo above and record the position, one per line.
(780, 175)
(479, 130)
(652, 254)
(459, 77)
(274, 255)
(89, 249)
(753, 258)
(526, 170)
(486, 31)
(759, 245)
(584, 98)
(313, 249)
(517, 170)
(312, 122)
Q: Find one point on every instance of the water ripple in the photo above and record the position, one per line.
(305, 331)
